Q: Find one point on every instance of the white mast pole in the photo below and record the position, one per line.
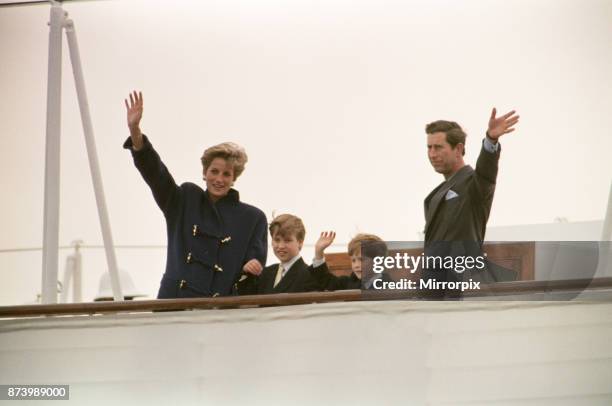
(52, 158)
(92, 153)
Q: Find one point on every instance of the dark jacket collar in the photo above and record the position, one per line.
(232, 196)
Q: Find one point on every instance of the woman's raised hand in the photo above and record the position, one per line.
(134, 115)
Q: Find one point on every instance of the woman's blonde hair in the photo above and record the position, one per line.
(231, 152)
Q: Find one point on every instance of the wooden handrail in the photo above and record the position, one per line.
(280, 299)
(284, 299)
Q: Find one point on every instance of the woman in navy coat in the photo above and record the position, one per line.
(212, 235)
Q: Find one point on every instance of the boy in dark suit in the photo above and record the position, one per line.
(361, 265)
(291, 274)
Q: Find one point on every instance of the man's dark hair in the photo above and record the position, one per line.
(454, 132)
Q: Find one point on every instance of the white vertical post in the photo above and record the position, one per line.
(77, 287)
(52, 158)
(68, 274)
(606, 232)
(72, 275)
(94, 167)
(605, 246)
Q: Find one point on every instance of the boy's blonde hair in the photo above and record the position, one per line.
(375, 245)
(234, 154)
(287, 225)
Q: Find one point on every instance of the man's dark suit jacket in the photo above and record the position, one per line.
(464, 217)
(455, 223)
(296, 279)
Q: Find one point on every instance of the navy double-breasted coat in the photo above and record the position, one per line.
(208, 243)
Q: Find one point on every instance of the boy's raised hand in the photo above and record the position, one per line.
(325, 240)
(134, 115)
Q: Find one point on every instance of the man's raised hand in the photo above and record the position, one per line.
(134, 115)
(499, 126)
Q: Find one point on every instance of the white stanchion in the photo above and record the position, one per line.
(52, 158)
(606, 232)
(92, 153)
(58, 21)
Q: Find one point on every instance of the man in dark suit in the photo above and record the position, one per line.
(457, 210)
(291, 275)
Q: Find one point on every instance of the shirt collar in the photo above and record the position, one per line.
(456, 173)
(287, 265)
